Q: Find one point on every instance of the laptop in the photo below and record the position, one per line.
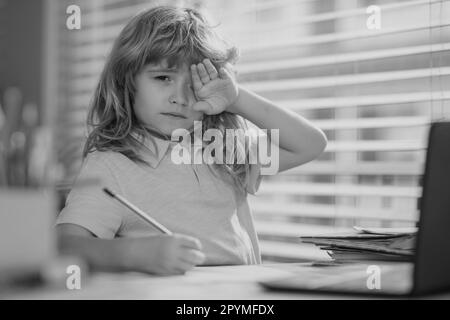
(430, 270)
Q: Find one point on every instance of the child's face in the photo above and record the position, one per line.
(164, 98)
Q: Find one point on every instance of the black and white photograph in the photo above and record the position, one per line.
(226, 156)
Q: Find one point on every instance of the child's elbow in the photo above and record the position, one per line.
(323, 141)
(320, 144)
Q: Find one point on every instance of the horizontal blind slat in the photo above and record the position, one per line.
(381, 122)
(289, 64)
(338, 37)
(293, 230)
(112, 14)
(337, 189)
(358, 168)
(348, 79)
(274, 208)
(375, 145)
(365, 100)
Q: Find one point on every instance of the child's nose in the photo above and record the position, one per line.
(183, 95)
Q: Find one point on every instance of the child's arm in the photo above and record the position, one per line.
(299, 140)
(160, 254)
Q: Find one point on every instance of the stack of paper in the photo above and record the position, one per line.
(386, 244)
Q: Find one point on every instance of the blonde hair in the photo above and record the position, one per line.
(178, 36)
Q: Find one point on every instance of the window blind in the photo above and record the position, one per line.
(373, 92)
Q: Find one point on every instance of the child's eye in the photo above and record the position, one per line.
(163, 78)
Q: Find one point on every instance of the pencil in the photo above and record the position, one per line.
(138, 211)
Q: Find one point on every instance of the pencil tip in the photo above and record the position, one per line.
(108, 192)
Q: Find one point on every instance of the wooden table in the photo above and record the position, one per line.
(202, 283)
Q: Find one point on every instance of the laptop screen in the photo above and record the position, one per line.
(432, 268)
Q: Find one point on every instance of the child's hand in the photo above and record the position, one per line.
(164, 255)
(216, 91)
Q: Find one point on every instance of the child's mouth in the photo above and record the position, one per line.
(175, 115)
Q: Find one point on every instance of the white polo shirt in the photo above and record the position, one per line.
(186, 198)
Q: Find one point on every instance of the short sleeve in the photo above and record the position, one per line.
(87, 205)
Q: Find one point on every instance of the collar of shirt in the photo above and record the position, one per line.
(156, 148)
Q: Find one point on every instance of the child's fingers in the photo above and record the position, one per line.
(190, 242)
(213, 74)
(182, 267)
(194, 257)
(204, 76)
(196, 82)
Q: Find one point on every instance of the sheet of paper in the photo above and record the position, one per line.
(386, 231)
